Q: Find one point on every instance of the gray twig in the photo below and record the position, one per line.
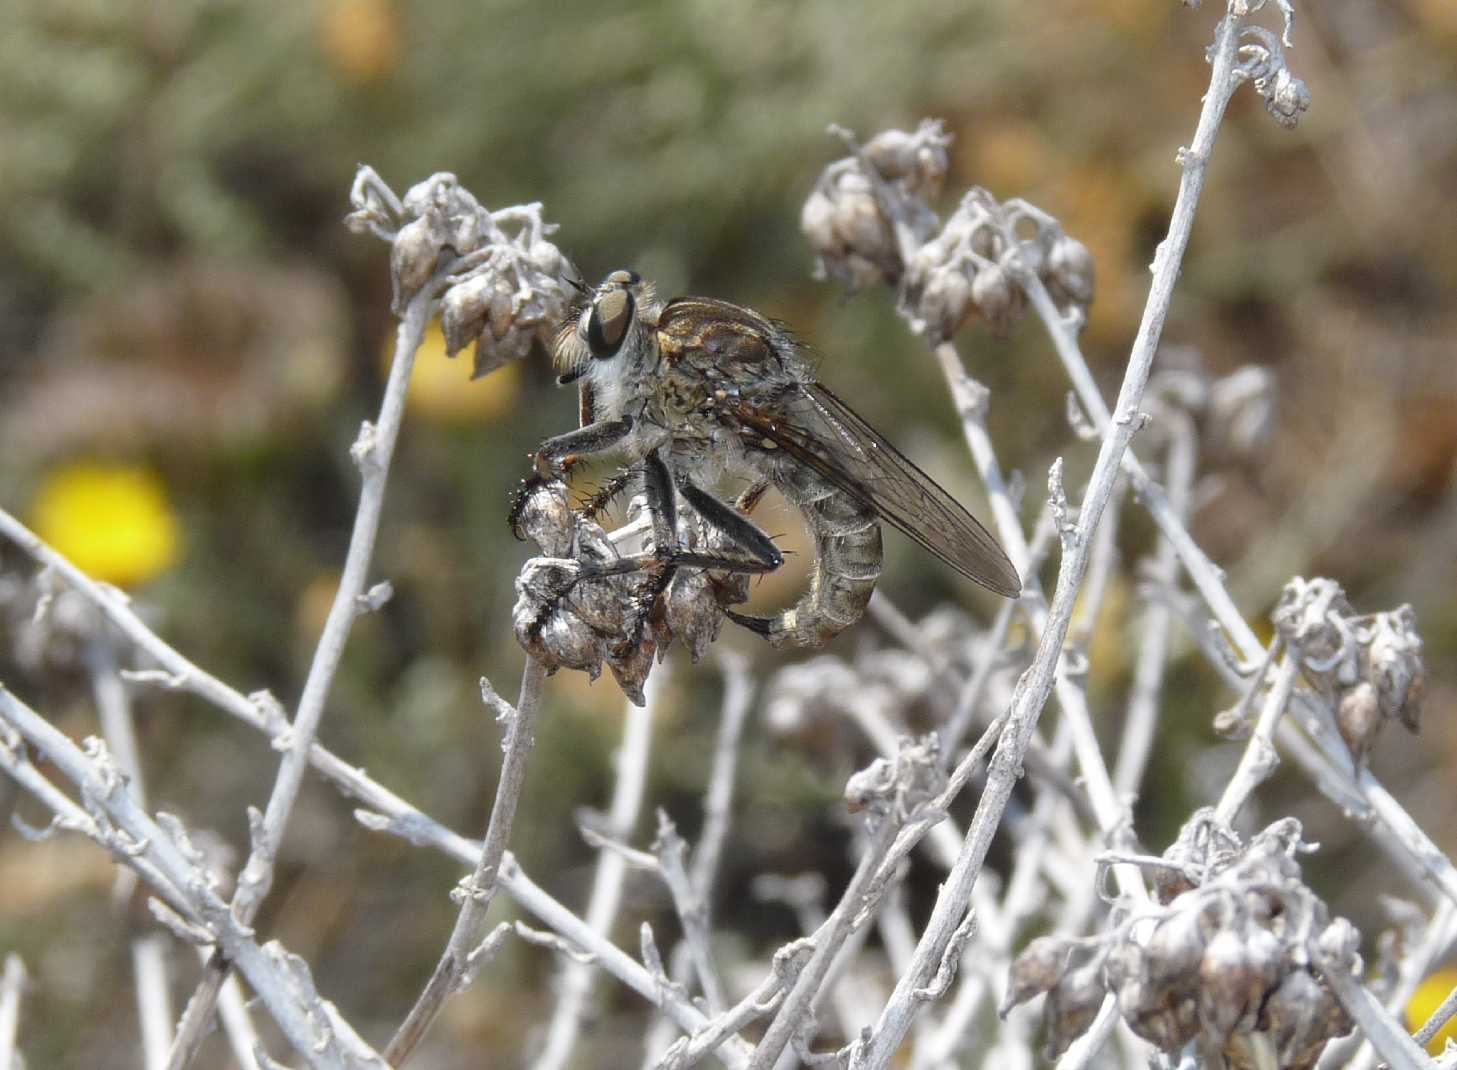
(478, 889)
(574, 983)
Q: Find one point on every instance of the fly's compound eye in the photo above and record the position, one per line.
(607, 322)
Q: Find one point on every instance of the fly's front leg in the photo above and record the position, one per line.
(553, 457)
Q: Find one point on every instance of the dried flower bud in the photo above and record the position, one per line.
(1310, 616)
(996, 298)
(544, 514)
(630, 664)
(413, 260)
(916, 162)
(1070, 267)
(1286, 97)
(1299, 1017)
(544, 626)
(463, 312)
(1230, 985)
(1358, 717)
(1395, 657)
(1040, 966)
(1071, 1007)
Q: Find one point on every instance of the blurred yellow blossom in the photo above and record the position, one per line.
(1426, 999)
(361, 39)
(113, 521)
(441, 387)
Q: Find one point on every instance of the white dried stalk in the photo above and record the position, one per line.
(310, 1024)
(12, 984)
(372, 453)
(1037, 682)
(574, 984)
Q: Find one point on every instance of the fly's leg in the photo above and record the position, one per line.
(756, 554)
(554, 456)
(751, 496)
(593, 506)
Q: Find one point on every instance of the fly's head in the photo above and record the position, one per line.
(612, 331)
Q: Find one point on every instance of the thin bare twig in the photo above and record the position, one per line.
(372, 452)
(1259, 760)
(1386, 1035)
(1136, 736)
(311, 1024)
(12, 984)
(827, 942)
(574, 984)
(1036, 684)
(478, 889)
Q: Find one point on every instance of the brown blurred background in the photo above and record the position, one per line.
(189, 339)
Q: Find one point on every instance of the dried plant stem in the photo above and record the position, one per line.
(969, 396)
(154, 1003)
(1389, 826)
(149, 950)
(574, 985)
(532, 898)
(1036, 684)
(1397, 1049)
(311, 1025)
(831, 936)
(717, 813)
(1259, 760)
(242, 1035)
(12, 983)
(1136, 737)
(1444, 1013)
(372, 453)
(480, 886)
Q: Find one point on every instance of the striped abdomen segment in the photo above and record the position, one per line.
(847, 561)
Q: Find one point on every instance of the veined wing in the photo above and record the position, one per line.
(823, 432)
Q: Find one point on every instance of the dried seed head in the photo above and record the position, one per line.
(1070, 269)
(917, 162)
(900, 784)
(1072, 1004)
(511, 288)
(850, 217)
(1358, 717)
(1395, 665)
(995, 248)
(1370, 665)
(1041, 965)
(1217, 956)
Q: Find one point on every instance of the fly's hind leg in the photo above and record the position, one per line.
(756, 554)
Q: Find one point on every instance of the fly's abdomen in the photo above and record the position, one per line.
(846, 565)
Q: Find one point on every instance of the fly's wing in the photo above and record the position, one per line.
(817, 428)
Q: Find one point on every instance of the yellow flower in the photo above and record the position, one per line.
(362, 40)
(441, 387)
(1427, 998)
(112, 521)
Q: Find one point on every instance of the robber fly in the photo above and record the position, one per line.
(694, 390)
